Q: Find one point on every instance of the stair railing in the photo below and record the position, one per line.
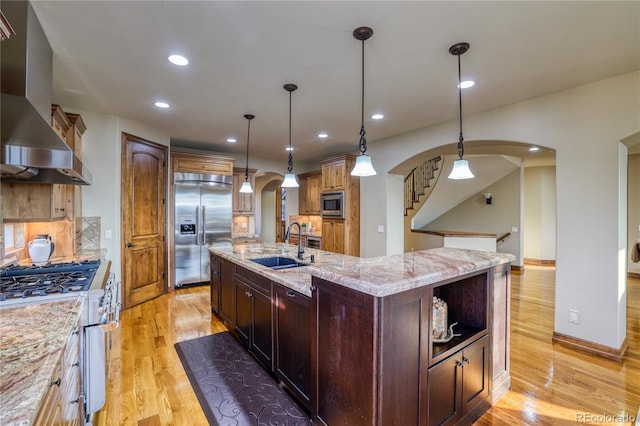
(417, 181)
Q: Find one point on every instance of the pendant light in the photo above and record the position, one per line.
(246, 186)
(460, 166)
(290, 179)
(363, 166)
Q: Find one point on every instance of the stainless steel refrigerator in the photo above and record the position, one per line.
(202, 218)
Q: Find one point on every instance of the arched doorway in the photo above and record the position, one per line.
(269, 215)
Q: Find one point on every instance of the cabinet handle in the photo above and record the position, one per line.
(75, 364)
(75, 401)
(291, 294)
(459, 364)
(313, 287)
(130, 245)
(76, 331)
(465, 360)
(56, 383)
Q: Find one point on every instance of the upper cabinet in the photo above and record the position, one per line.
(30, 202)
(187, 162)
(243, 203)
(309, 193)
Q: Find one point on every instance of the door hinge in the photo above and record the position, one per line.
(163, 201)
(163, 275)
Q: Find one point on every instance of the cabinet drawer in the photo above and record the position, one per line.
(260, 283)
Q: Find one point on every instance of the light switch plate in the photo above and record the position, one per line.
(574, 316)
(107, 234)
(380, 229)
(514, 229)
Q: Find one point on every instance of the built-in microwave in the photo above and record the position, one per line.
(332, 204)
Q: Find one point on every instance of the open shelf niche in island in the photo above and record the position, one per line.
(467, 304)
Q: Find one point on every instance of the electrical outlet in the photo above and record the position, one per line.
(574, 316)
(381, 228)
(244, 225)
(107, 234)
(514, 229)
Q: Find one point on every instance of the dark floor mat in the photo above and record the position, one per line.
(233, 389)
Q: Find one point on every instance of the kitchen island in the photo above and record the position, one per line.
(352, 340)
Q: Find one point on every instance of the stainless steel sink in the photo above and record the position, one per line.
(278, 262)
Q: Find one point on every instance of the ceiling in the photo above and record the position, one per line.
(110, 57)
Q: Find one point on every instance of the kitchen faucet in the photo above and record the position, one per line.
(286, 237)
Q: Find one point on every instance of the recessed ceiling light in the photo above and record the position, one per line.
(467, 83)
(377, 116)
(231, 140)
(178, 60)
(289, 149)
(161, 104)
(534, 148)
(323, 135)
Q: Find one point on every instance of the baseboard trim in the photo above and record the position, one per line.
(516, 269)
(633, 275)
(591, 347)
(539, 262)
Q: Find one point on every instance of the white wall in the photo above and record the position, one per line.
(584, 126)
(268, 223)
(633, 200)
(101, 153)
(540, 213)
(475, 215)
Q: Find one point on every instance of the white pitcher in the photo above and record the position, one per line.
(41, 248)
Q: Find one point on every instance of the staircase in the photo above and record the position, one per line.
(417, 182)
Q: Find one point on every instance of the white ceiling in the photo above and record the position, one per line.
(110, 58)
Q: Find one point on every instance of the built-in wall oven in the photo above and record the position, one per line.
(332, 204)
(24, 284)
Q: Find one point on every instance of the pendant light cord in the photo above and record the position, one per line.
(290, 165)
(246, 169)
(363, 140)
(460, 145)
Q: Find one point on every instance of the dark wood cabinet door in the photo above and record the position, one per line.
(342, 359)
(214, 277)
(475, 376)
(443, 392)
(262, 339)
(227, 294)
(293, 342)
(244, 316)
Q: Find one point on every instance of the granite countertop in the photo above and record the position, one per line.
(377, 276)
(32, 339)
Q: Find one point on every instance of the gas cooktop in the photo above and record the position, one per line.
(20, 282)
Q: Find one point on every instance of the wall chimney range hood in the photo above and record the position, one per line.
(31, 150)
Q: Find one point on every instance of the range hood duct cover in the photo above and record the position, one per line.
(31, 150)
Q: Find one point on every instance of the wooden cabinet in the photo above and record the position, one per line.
(61, 403)
(294, 239)
(253, 314)
(293, 342)
(458, 384)
(390, 370)
(40, 202)
(334, 173)
(309, 193)
(188, 162)
(333, 236)
(227, 306)
(214, 277)
(243, 204)
(60, 122)
(50, 412)
(344, 234)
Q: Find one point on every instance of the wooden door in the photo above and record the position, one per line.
(143, 219)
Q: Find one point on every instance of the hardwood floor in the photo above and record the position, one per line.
(551, 384)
